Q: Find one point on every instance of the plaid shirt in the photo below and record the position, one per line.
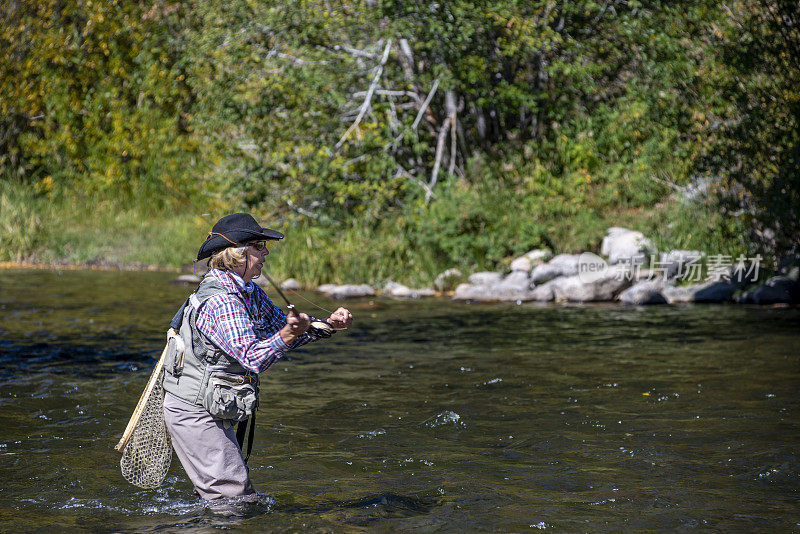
(246, 329)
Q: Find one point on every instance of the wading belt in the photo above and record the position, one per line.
(240, 432)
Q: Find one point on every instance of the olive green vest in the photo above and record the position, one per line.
(191, 358)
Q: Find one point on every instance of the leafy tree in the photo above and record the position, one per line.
(757, 161)
(436, 120)
(94, 98)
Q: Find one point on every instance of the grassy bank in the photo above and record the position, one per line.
(71, 230)
(469, 227)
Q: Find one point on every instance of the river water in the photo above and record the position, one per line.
(425, 416)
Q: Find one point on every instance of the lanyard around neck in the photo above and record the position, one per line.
(248, 300)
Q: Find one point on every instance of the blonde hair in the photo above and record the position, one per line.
(229, 258)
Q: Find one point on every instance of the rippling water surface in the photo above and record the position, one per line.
(425, 416)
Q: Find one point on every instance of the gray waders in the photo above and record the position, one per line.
(208, 392)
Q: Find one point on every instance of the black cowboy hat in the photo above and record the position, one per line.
(234, 230)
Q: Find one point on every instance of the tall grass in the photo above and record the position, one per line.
(74, 229)
(470, 226)
(23, 222)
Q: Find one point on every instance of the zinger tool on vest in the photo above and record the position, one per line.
(319, 328)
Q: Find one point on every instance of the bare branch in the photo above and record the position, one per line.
(387, 92)
(428, 191)
(425, 104)
(406, 59)
(301, 211)
(667, 182)
(349, 162)
(393, 120)
(438, 161)
(368, 98)
(733, 17)
(452, 112)
(300, 61)
(421, 111)
(356, 52)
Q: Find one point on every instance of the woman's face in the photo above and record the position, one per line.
(255, 260)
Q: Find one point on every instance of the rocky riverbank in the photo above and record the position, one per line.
(628, 270)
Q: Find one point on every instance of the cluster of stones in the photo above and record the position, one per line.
(391, 289)
(540, 276)
(444, 282)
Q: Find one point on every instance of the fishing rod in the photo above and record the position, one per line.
(319, 328)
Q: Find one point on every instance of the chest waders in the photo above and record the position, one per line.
(201, 374)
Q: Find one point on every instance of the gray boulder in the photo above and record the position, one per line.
(622, 245)
(675, 263)
(485, 278)
(646, 275)
(346, 291)
(643, 293)
(516, 280)
(776, 290)
(790, 267)
(326, 288)
(539, 255)
(485, 293)
(531, 259)
(393, 289)
(561, 265)
(187, 279)
(448, 280)
(601, 287)
(521, 264)
(290, 284)
(544, 292)
(712, 291)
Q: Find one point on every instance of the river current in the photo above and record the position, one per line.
(426, 415)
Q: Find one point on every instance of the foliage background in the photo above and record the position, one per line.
(128, 128)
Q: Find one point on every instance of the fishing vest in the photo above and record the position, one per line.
(199, 373)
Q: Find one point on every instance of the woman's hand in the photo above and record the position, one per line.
(340, 319)
(296, 324)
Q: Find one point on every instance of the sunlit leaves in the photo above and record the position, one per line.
(93, 97)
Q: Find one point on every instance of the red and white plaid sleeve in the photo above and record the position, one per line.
(223, 319)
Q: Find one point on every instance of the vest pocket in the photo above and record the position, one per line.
(230, 397)
(175, 351)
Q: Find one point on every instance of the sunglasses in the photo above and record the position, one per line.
(261, 245)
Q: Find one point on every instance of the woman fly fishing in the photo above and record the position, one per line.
(229, 332)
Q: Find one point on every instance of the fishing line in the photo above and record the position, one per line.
(312, 303)
(280, 292)
(320, 327)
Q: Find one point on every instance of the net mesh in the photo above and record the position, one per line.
(147, 456)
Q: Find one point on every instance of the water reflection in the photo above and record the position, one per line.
(427, 415)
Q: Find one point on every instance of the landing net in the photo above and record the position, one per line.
(146, 447)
